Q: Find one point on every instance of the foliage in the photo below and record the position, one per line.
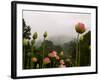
(49, 55)
(26, 30)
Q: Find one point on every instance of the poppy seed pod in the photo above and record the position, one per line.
(33, 42)
(25, 42)
(45, 34)
(80, 28)
(35, 35)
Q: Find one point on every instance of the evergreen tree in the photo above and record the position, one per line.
(26, 30)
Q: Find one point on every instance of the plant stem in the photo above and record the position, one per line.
(32, 51)
(28, 60)
(79, 53)
(43, 51)
(77, 49)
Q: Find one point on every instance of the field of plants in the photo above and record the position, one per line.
(74, 53)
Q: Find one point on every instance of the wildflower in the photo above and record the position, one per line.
(34, 59)
(52, 54)
(57, 57)
(80, 28)
(46, 60)
(62, 61)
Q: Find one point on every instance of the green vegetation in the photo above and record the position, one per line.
(49, 55)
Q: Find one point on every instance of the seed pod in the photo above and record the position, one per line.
(45, 34)
(25, 42)
(35, 35)
(33, 42)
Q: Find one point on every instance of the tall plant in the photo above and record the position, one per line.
(33, 58)
(44, 35)
(80, 28)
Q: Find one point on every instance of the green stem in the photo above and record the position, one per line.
(28, 59)
(43, 51)
(77, 50)
(79, 53)
(32, 51)
(54, 64)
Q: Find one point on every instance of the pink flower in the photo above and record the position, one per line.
(46, 60)
(62, 61)
(57, 57)
(80, 28)
(52, 54)
(34, 59)
(62, 66)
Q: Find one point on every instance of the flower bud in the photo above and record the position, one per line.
(62, 53)
(25, 42)
(33, 42)
(34, 59)
(35, 35)
(57, 57)
(46, 60)
(62, 61)
(80, 28)
(52, 54)
(45, 34)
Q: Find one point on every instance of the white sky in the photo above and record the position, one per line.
(55, 23)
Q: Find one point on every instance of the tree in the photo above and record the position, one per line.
(26, 30)
(85, 57)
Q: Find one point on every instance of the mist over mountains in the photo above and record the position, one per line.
(57, 40)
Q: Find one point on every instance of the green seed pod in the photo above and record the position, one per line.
(45, 34)
(25, 42)
(35, 35)
(33, 42)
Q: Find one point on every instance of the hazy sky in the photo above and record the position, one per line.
(55, 23)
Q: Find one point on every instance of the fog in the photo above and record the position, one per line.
(60, 26)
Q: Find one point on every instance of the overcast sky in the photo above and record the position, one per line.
(55, 23)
